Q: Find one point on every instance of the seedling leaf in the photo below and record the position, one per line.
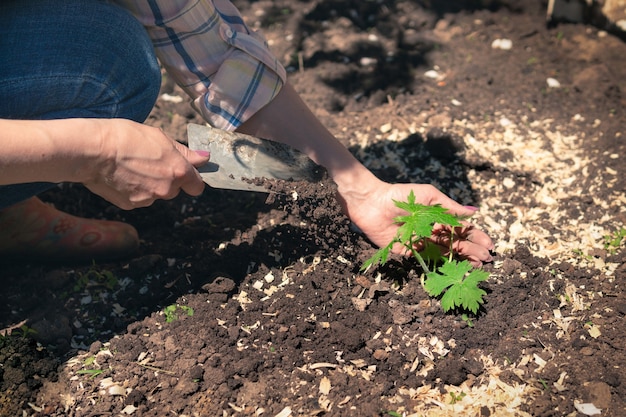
(460, 284)
(91, 372)
(455, 282)
(380, 257)
(420, 219)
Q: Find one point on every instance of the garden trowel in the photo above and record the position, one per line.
(243, 162)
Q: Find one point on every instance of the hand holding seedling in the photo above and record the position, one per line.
(367, 200)
(421, 230)
(376, 218)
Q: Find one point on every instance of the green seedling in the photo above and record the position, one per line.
(393, 413)
(171, 314)
(454, 398)
(467, 320)
(27, 331)
(459, 285)
(95, 278)
(580, 253)
(614, 241)
(456, 282)
(91, 372)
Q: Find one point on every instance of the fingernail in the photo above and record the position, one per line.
(471, 208)
(203, 153)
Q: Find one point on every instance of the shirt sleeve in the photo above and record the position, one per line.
(205, 46)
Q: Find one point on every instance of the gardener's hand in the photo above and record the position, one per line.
(373, 212)
(138, 164)
(365, 199)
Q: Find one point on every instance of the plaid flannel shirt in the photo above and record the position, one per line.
(205, 46)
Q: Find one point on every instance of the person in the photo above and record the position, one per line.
(79, 77)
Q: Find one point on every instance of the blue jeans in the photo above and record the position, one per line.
(72, 58)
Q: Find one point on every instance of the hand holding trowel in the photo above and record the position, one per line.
(237, 160)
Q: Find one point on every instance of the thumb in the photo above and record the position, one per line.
(196, 158)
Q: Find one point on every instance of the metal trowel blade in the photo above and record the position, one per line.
(239, 161)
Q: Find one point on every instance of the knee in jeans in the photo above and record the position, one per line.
(87, 59)
(138, 78)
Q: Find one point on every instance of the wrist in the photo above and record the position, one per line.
(80, 148)
(355, 186)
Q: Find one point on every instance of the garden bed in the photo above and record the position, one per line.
(240, 304)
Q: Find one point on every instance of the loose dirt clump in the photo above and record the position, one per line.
(245, 303)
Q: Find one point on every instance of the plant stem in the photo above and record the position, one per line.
(451, 254)
(419, 258)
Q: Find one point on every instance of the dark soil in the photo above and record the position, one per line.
(244, 304)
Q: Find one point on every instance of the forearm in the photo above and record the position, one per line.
(287, 119)
(47, 150)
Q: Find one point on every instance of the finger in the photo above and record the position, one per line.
(196, 158)
(467, 232)
(479, 237)
(476, 256)
(472, 251)
(172, 194)
(110, 195)
(476, 252)
(193, 184)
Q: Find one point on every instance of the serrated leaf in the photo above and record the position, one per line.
(380, 257)
(460, 285)
(455, 282)
(448, 274)
(419, 221)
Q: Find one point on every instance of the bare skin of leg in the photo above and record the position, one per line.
(35, 231)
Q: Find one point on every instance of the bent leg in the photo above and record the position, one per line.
(75, 58)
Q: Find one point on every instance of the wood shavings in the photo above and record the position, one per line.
(316, 261)
(319, 365)
(359, 363)
(500, 398)
(325, 386)
(563, 323)
(360, 304)
(243, 299)
(107, 386)
(560, 383)
(541, 363)
(587, 409)
(285, 412)
(593, 330)
(575, 299)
